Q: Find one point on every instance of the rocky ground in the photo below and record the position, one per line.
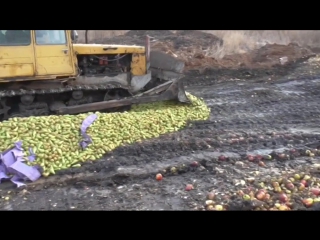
(259, 107)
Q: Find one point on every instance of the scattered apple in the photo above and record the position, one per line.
(283, 208)
(159, 177)
(278, 189)
(210, 208)
(261, 195)
(222, 158)
(246, 197)
(297, 177)
(308, 202)
(194, 164)
(173, 170)
(218, 207)
(209, 202)
(301, 187)
(315, 191)
(259, 157)
(283, 197)
(250, 158)
(304, 182)
(189, 187)
(289, 204)
(306, 177)
(277, 205)
(316, 200)
(267, 197)
(289, 185)
(262, 164)
(268, 157)
(292, 150)
(275, 184)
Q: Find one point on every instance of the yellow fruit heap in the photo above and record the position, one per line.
(55, 139)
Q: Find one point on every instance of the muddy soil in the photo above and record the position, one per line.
(254, 111)
(248, 116)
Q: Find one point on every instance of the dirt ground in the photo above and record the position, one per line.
(259, 107)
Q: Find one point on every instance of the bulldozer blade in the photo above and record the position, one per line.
(171, 90)
(161, 60)
(164, 66)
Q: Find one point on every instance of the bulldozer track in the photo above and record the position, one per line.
(94, 87)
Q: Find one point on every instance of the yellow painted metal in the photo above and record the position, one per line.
(53, 56)
(41, 60)
(138, 64)
(106, 49)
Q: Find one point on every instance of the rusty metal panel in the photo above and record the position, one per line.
(138, 64)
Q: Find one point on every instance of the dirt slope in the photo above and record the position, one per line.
(196, 47)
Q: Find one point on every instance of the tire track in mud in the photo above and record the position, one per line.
(246, 117)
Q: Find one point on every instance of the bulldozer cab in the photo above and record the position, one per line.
(36, 54)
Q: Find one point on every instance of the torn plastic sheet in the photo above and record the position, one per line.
(86, 139)
(11, 164)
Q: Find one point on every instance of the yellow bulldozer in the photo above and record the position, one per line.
(45, 72)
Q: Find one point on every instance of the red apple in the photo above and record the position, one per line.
(267, 197)
(194, 164)
(304, 182)
(250, 158)
(159, 177)
(259, 157)
(290, 185)
(283, 197)
(222, 158)
(315, 191)
(261, 195)
(189, 187)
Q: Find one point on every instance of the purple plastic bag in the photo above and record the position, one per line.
(86, 139)
(11, 162)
